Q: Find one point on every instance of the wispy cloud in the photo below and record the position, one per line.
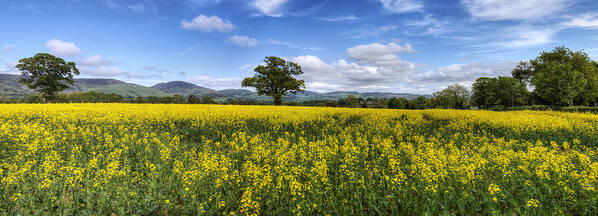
(292, 45)
(8, 48)
(402, 6)
(514, 9)
(242, 41)
(271, 8)
(371, 32)
(345, 18)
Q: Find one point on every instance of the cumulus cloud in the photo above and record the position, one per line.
(379, 54)
(96, 60)
(207, 24)
(8, 48)
(63, 48)
(466, 73)
(584, 21)
(402, 6)
(271, 8)
(243, 41)
(514, 9)
(375, 66)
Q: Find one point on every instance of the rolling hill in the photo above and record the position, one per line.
(185, 89)
(10, 87)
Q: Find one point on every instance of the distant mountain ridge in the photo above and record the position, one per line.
(10, 87)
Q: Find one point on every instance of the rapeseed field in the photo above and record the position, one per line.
(130, 159)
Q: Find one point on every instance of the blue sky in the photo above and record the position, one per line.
(416, 46)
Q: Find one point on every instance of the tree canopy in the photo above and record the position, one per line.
(561, 77)
(47, 74)
(453, 97)
(500, 91)
(276, 78)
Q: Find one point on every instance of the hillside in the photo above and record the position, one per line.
(10, 87)
(185, 89)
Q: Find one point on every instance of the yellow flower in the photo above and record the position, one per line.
(533, 203)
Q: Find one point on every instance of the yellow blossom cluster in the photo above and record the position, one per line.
(266, 160)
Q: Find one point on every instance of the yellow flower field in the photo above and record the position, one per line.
(245, 160)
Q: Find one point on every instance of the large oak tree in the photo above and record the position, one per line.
(47, 74)
(276, 78)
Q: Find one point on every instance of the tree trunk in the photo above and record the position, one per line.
(277, 99)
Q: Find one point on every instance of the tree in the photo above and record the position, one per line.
(523, 72)
(192, 99)
(47, 74)
(207, 100)
(276, 78)
(454, 97)
(563, 77)
(500, 91)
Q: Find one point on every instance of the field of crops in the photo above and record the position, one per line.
(239, 160)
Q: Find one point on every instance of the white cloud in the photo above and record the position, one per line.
(271, 8)
(402, 6)
(199, 3)
(353, 76)
(217, 83)
(245, 67)
(95, 60)
(291, 45)
(101, 70)
(8, 48)
(379, 54)
(525, 36)
(137, 7)
(243, 41)
(584, 21)
(207, 24)
(363, 33)
(347, 18)
(514, 9)
(466, 73)
(10, 68)
(432, 25)
(63, 48)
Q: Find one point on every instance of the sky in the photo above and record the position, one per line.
(410, 46)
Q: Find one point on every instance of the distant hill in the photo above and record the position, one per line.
(10, 86)
(185, 89)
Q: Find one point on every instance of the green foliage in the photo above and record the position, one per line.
(500, 91)
(276, 78)
(47, 74)
(561, 77)
(522, 72)
(89, 97)
(207, 100)
(453, 97)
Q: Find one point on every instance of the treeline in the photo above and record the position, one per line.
(553, 80)
(349, 101)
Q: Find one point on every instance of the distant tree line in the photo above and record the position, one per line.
(555, 79)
